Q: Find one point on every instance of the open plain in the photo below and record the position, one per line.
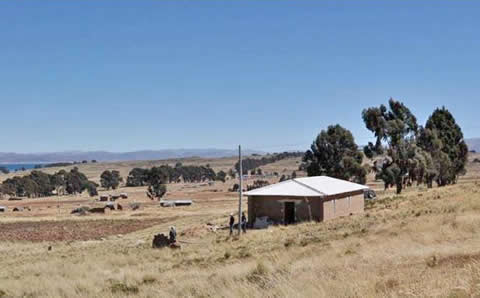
(424, 242)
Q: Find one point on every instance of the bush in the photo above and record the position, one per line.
(235, 188)
(119, 288)
(110, 179)
(257, 184)
(4, 170)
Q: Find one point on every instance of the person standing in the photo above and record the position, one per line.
(173, 235)
(244, 222)
(232, 222)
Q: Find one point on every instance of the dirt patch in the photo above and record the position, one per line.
(70, 230)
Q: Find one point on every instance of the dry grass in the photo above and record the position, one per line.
(422, 243)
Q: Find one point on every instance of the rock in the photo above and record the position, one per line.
(175, 245)
(139, 243)
(135, 206)
(80, 211)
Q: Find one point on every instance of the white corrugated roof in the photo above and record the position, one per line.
(317, 186)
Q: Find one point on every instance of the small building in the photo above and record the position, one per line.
(175, 203)
(3, 209)
(305, 199)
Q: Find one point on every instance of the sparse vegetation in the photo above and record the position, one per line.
(402, 244)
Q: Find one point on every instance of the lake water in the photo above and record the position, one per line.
(12, 167)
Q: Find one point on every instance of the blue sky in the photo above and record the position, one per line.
(129, 75)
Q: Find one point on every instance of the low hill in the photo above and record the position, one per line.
(473, 144)
(70, 156)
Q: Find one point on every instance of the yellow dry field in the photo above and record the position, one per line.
(425, 242)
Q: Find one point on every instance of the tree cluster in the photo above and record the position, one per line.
(250, 164)
(189, 174)
(39, 184)
(411, 153)
(110, 179)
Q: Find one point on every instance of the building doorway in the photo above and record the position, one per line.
(289, 213)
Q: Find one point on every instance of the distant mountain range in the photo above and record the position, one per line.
(473, 144)
(72, 156)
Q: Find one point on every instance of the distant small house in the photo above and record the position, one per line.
(114, 197)
(124, 195)
(110, 205)
(3, 209)
(104, 198)
(174, 203)
(304, 199)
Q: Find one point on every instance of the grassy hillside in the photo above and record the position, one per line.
(425, 242)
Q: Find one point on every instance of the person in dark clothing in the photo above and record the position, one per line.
(232, 222)
(244, 222)
(173, 235)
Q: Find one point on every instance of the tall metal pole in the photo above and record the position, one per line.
(240, 175)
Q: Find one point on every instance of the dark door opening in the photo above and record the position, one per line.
(289, 213)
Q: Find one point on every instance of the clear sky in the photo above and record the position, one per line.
(129, 75)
